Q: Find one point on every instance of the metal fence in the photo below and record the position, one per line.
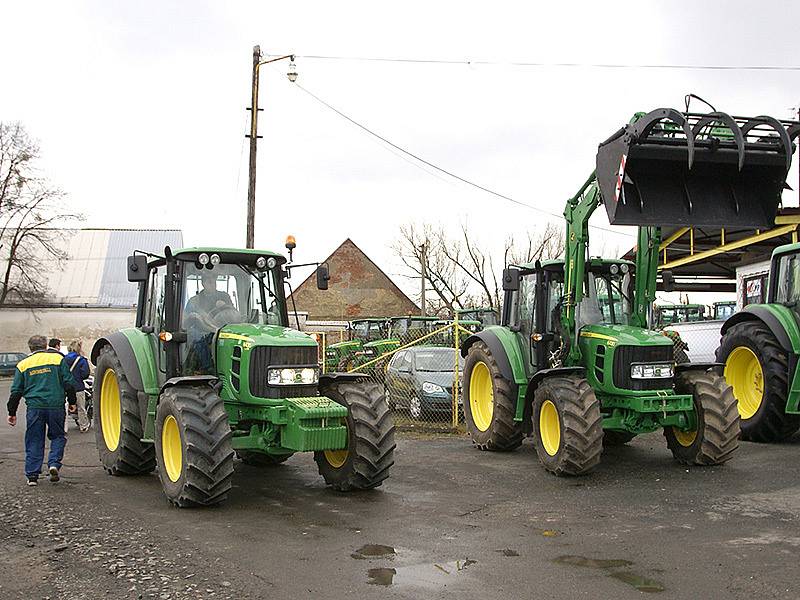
(701, 339)
(420, 373)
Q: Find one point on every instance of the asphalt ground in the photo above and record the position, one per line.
(450, 522)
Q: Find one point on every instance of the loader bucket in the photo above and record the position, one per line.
(684, 169)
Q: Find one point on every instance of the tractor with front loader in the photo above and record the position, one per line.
(760, 348)
(577, 373)
(212, 370)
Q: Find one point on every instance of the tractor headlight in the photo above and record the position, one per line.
(261, 263)
(432, 388)
(651, 371)
(614, 269)
(291, 376)
(203, 259)
(271, 262)
(215, 259)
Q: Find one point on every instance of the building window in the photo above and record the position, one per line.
(755, 289)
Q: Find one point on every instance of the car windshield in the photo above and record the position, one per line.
(607, 300)
(229, 294)
(436, 360)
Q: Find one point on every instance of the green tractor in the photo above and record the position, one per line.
(485, 317)
(578, 375)
(679, 313)
(720, 311)
(343, 356)
(212, 370)
(760, 347)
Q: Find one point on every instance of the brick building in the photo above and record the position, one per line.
(358, 288)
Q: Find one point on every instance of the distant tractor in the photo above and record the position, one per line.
(760, 348)
(347, 354)
(667, 315)
(720, 311)
(577, 362)
(211, 370)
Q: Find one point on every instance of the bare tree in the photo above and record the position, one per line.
(460, 272)
(30, 213)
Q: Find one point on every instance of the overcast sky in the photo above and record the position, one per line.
(140, 107)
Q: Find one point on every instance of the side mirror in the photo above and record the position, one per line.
(510, 280)
(668, 280)
(137, 268)
(323, 275)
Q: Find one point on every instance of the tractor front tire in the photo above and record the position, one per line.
(489, 405)
(757, 368)
(567, 425)
(118, 426)
(717, 435)
(193, 446)
(369, 455)
(260, 459)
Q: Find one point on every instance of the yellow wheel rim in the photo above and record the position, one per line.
(171, 449)
(336, 458)
(549, 428)
(481, 396)
(685, 438)
(110, 410)
(744, 374)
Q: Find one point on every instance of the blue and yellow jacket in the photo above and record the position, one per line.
(44, 380)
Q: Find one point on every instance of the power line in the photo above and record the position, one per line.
(464, 62)
(441, 169)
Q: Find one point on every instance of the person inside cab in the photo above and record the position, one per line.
(204, 314)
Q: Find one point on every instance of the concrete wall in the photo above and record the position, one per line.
(86, 324)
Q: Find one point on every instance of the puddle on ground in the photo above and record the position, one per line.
(368, 551)
(424, 575)
(641, 583)
(592, 563)
(508, 552)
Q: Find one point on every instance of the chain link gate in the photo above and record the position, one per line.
(419, 371)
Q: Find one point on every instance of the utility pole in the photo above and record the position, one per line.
(251, 184)
(424, 271)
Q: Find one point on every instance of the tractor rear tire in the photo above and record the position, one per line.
(489, 404)
(717, 436)
(763, 416)
(567, 425)
(369, 455)
(193, 446)
(118, 426)
(259, 459)
(616, 438)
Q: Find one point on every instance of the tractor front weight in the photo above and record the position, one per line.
(645, 414)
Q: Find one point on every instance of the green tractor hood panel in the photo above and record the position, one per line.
(265, 335)
(624, 335)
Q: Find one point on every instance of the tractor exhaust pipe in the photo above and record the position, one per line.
(668, 168)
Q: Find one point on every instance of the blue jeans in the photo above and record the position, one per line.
(37, 420)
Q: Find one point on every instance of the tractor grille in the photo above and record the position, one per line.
(625, 355)
(262, 357)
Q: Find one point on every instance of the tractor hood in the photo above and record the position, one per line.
(265, 335)
(625, 335)
(345, 345)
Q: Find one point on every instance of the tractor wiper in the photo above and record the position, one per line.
(260, 278)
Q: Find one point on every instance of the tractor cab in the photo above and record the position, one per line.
(784, 281)
(368, 330)
(679, 313)
(411, 328)
(720, 311)
(485, 317)
(345, 355)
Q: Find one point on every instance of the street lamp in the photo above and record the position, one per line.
(251, 187)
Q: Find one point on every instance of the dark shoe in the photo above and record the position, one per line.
(32, 482)
(53, 474)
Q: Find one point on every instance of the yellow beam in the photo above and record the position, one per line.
(760, 237)
(673, 237)
(787, 219)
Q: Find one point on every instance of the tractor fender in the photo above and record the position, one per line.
(122, 346)
(500, 351)
(769, 315)
(209, 380)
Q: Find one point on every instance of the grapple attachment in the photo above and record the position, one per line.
(682, 169)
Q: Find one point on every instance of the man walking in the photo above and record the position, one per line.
(43, 379)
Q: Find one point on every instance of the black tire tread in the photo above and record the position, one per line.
(504, 433)
(372, 451)
(720, 419)
(132, 456)
(770, 423)
(208, 458)
(581, 425)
